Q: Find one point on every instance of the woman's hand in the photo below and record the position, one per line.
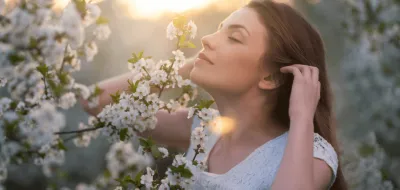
(305, 93)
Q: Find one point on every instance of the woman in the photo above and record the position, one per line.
(265, 68)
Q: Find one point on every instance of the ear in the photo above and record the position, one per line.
(267, 82)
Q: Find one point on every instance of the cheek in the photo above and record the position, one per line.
(237, 75)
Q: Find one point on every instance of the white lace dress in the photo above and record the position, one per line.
(258, 170)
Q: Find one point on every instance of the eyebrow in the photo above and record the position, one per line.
(233, 26)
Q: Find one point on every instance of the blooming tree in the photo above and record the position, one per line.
(41, 47)
(374, 82)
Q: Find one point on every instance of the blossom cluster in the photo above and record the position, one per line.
(372, 81)
(135, 111)
(40, 46)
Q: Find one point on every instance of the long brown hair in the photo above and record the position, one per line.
(292, 40)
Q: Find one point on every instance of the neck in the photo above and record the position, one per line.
(252, 117)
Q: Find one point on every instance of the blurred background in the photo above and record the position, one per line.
(362, 43)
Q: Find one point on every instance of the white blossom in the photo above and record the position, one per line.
(122, 156)
(3, 171)
(90, 50)
(83, 140)
(3, 82)
(83, 186)
(72, 22)
(191, 112)
(147, 179)
(193, 29)
(198, 138)
(82, 90)
(67, 100)
(92, 14)
(102, 32)
(172, 32)
(207, 114)
(164, 151)
(164, 184)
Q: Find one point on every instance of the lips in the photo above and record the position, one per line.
(204, 57)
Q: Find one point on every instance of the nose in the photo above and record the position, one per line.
(206, 41)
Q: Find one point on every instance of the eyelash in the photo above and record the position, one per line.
(235, 40)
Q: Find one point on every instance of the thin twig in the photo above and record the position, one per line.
(77, 131)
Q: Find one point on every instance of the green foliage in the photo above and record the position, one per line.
(115, 97)
(180, 22)
(204, 104)
(182, 170)
(61, 145)
(102, 20)
(155, 152)
(43, 69)
(135, 58)
(81, 7)
(366, 150)
(133, 86)
(123, 133)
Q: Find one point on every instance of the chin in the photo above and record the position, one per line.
(205, 80)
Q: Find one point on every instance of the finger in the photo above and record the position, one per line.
(305, 70)
(315, 74)
(291, 69)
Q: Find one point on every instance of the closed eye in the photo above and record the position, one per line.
(234, 39)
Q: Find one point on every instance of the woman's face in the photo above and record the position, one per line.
(234, 52)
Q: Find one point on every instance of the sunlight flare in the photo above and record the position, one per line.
(223, 125)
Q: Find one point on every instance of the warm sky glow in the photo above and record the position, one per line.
(154, 8)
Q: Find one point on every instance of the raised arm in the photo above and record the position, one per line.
(172, 129)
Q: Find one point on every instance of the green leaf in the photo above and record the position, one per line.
(107, 174)
(102, 20)
(143, 142)
(366, 150)
(132, 60)
(186, 173)
(115, 97)
(80, 6)
(33, 43)
(154, 150)
(14, 58)
(61, 145)
(205, 104)
(11, 128)
(140, 54)
(97, 90)
(389, 123)
(56, 89)
(385, 174)
(179, 22)
(128, 179)
(123, 134)
(381, 27)
(182, 40)
(133, 86)
(190, 45)
(138, 176)
(63, 76)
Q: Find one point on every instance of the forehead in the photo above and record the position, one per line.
(248, 18)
